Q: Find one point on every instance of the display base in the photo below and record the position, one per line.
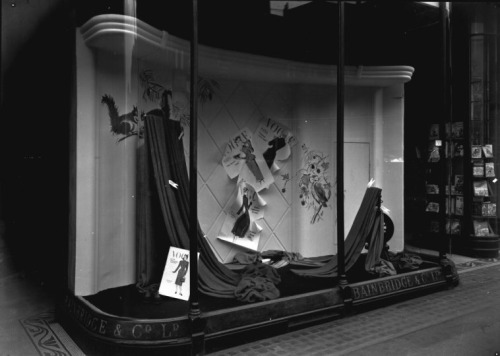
(120, 322)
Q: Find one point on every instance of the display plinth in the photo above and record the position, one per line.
(98, 331)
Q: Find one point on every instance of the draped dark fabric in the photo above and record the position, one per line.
(145, 262)
(377, 243)
(169, 164)
(367, 223)
(150, 251)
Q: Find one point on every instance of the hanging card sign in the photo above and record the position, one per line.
(175, 282)
(275, 141)
(240, 226)
(242, 160)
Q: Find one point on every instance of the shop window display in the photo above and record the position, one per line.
(267, 187)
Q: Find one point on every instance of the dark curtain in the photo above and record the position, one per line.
(168, 163)
(150, 251)
(368, 223)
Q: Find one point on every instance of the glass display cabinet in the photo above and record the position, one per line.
(483, 137)
(235, 183)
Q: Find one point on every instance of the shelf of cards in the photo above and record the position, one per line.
(482, 228)
(484, 210)
(451, 147)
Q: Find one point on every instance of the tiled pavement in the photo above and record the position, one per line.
(461, 321)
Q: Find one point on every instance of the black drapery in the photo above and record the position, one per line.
(168, 163)
(368, 223)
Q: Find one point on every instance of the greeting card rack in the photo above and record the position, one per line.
(482, 164)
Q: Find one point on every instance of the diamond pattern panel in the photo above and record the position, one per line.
(254, 120)
(284, 180)
(235, 106)
(276, 206)
(222, 128)
(199, 183)
(240, 106)
(210, 208)
(258, 91)
(284, 230)
(209, 157)
(227, 88)
(222, 187)
(221, 249)
(273, 243)
(208, 111)
(274, 105)
(265, 234)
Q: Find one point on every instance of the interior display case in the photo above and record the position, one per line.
(284, 177)
(445, 181)
(483, 136)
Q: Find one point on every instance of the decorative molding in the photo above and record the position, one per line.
(112, 33)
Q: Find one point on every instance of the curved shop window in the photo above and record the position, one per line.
(230, 143)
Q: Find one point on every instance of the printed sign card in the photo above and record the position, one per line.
(488, 151)
(175, 280)
(481, 228)
(231, 161)
(480, 188)
(241, 159)
(476, 151)
(489, 169)
(240, 227)
(274, 140)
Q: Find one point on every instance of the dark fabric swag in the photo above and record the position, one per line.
(168, 161)
(368, 223)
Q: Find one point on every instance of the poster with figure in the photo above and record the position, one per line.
(240, 226)
(175, 280)
(275, 141)
(242, 160)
